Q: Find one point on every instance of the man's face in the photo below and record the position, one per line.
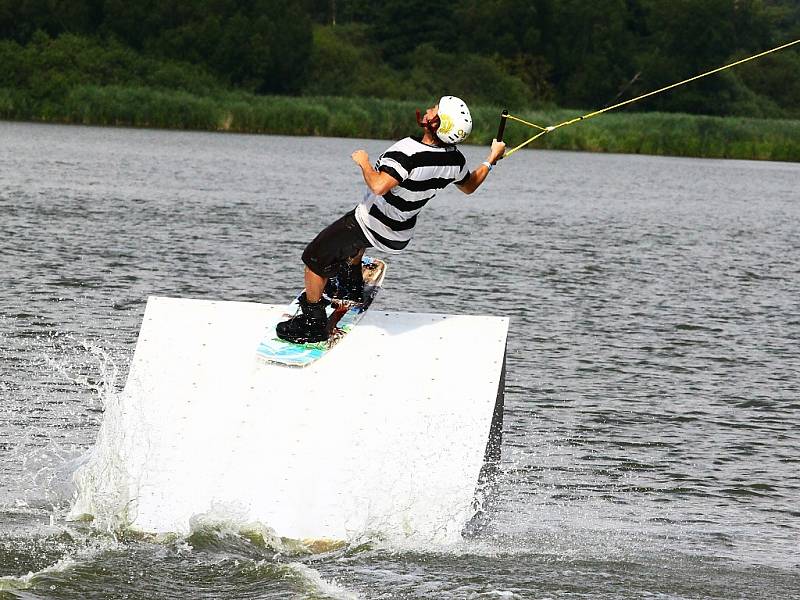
(431, 113)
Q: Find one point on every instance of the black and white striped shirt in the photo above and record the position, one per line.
(388, 221)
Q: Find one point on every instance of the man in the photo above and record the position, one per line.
(403, 180)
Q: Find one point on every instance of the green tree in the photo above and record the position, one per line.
(591, 49)
(510, 32)
(20, 19)
(477, 79)
(688, 37)
(777, 78)
(342, 12)
(343, 63)
(260, 45)
(503, 27)
(400, 26)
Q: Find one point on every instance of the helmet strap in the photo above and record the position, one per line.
(431, 125)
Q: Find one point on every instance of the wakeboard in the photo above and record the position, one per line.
(343, 316)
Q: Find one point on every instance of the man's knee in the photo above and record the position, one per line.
(316, 264)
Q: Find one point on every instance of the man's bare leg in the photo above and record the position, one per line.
(314, 286)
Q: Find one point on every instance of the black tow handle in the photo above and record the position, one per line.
(501, 130)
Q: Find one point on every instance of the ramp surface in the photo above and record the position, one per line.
(385, 434)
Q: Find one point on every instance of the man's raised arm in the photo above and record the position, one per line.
(477, 176)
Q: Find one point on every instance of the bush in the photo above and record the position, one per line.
(475, 78)
(343, 64)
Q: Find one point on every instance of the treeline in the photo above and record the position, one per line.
(573, 53)
(259, 45)
(517, 53)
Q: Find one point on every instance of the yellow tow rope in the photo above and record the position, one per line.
(544, 130)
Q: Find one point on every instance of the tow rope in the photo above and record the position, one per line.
(545, 130)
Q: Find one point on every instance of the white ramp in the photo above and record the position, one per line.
(386, 434)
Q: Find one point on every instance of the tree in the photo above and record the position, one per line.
(689, 37)
(400, 26)
(19, 19)
(591, 49)
(260, 45)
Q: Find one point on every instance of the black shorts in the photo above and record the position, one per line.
(335, 246)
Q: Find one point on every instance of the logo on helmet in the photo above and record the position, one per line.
(446, 125)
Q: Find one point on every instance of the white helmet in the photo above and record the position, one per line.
(455, 121)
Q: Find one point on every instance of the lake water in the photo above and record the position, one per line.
(652, 427)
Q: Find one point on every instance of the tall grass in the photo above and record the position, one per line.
(624, 132)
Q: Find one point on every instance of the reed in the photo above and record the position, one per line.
(624, 132)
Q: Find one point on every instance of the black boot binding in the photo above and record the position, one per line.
(309, 326)
(347, 284)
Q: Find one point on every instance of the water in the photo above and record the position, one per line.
(651, 441)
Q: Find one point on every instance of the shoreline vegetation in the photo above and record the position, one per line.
(655, 133)
(354, 68)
